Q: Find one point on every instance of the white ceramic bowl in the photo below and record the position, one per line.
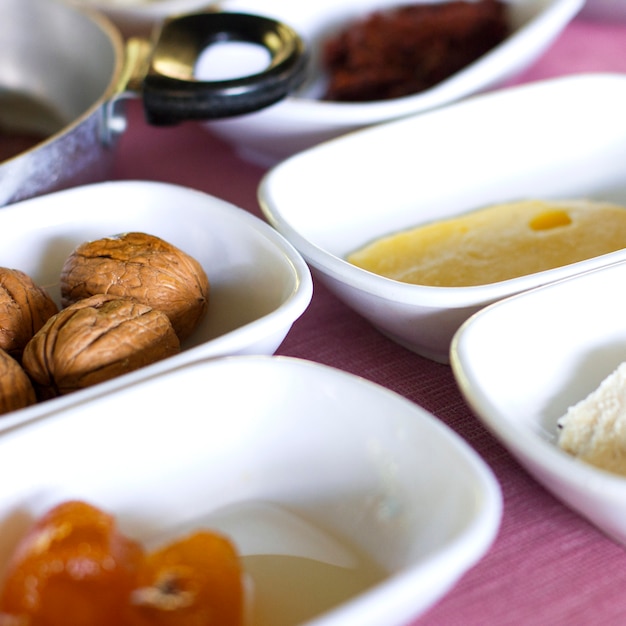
(604, 10)
(259, 284)
(174, 452)
(303, 120)
(557, 139)
(139, 17)
(522, 362)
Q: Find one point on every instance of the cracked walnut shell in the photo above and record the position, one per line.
(143, 267)
(94, 340)
(24, 309)
(16, 390)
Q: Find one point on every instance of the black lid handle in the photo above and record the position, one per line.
(172, 94)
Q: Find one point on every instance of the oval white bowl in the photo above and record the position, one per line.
(303, 120)
(522, 362)
(564, 138)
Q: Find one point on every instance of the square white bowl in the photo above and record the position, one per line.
(522, 362)
(559, 139)
(371, 469)
(137, 18)
(303, 120)
(259, 283)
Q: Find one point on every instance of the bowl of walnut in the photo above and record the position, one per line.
(109, 283)
(372, 61)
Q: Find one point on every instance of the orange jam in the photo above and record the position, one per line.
(75, 567)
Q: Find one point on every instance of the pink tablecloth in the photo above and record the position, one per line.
(547, 565)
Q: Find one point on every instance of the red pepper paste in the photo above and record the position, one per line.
(410, 48)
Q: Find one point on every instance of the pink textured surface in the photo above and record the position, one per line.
(547, 565)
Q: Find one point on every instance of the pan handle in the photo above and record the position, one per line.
(171, 93)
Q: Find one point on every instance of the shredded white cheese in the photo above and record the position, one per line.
(594, 429)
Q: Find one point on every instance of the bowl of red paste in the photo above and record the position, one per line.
(372, 61)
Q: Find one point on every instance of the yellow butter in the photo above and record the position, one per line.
(497, 243)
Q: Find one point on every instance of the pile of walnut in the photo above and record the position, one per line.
(128, 301)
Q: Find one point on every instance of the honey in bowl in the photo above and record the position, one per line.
(296, 568)
(497, 243)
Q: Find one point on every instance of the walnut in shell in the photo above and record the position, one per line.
(143, 267)
(24, 309)
(16, 390)
(94, 340)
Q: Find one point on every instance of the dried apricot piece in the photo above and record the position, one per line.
(73, 568)
(194, 581)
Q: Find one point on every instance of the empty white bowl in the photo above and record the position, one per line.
(373, 473)
(563, 138)
(303, 120)
(139, 17)
(259, 284)
(522, 362)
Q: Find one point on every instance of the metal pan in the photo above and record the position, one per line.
(66, 74)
